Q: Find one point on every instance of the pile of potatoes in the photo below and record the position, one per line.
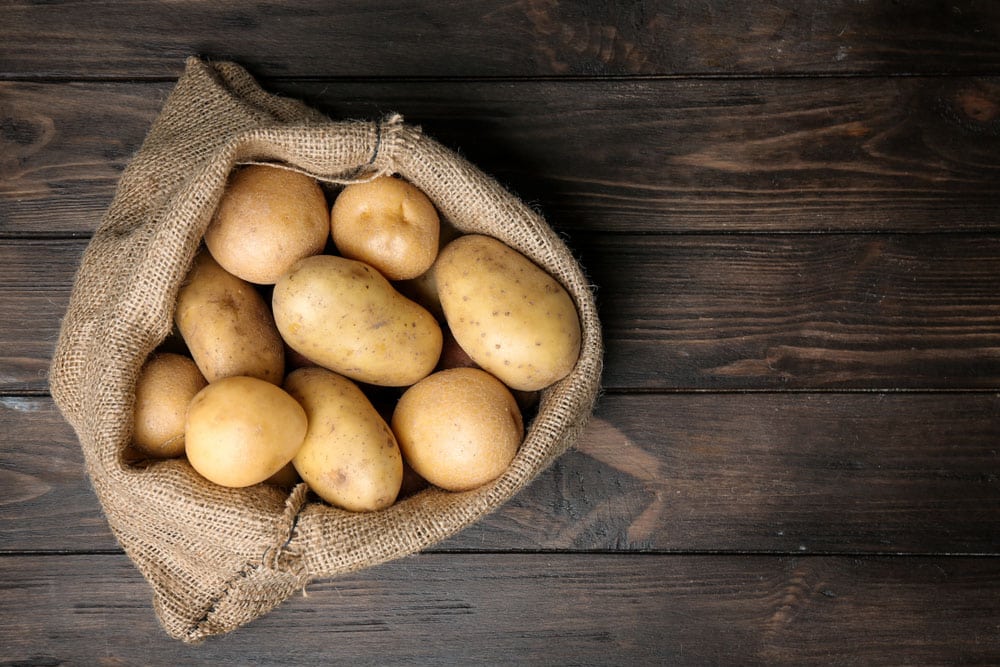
(300, 358)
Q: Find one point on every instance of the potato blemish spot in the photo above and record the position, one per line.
(338, 477)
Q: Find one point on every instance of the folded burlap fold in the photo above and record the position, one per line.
(217, 558)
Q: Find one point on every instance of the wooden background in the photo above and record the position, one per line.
(790, 211)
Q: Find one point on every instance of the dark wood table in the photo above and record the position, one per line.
(791, 212)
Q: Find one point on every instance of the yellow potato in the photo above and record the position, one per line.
(268, 219)
(452, 354)
(459, 428)
(165, 387)
(412, 482)
(349, 456)
(423, 290)
(227, 325)
(345, 316)
(286, 478)
(511, 317)
(388, 224)
(242, 430)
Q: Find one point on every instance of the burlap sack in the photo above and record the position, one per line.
(217, 558)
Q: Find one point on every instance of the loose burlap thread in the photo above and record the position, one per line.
(217, 558)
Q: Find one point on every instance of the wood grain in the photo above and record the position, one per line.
(37, 276)
(797, 312)
(704, 312)
(62, 150)
(780, 473)
(789, 211)
(547, 609)
(487, 39)
(903, 154)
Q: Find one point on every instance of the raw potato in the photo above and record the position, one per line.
(345, 316)
(388, 224)
(458, 428)
(349, 456)
(423, 290)
(165, 387)
(286, 478)
(511, 317)
(268, 219)
(412, 482)
(453, 356)
(227, 325)
(242, 430)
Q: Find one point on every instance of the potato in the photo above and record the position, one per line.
(227, 325)
(242, 430)
(424, 291)
(412, 482)
(511, 317)
(349, 456)
(452, 354)
(294, 360)
(388, 224)
(165, 387)
(345, 316)
(268, 219)
(286, 478)
(459, 428)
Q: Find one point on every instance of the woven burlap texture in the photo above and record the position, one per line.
(217, 558)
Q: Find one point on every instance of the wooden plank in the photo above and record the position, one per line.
(901, 154)
(785, 473)
(48, 502)
(482, 38)
(718, 312)
(798, 312)
(64, 147)
(548, 609)
(37, 276)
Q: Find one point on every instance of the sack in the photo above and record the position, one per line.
(217, 558)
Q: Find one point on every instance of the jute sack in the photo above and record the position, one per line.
(217, 558)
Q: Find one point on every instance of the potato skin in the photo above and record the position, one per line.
(242, 430)
(511, 317)
(458, 428)
(423, 290)
(345, 316)
(286, 478)
(386, 223)
(349, 457)
(165, 387)
(268, 218)
(227, 325)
